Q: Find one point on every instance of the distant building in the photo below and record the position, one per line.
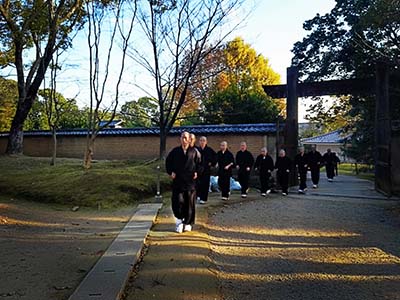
(112, 124)
(143, 142)
(334, 140)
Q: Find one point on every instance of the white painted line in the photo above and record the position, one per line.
(107, 279)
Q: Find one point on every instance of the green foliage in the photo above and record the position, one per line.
(110, 183)
(330, 113)
(237, 95)
(141, 113)
(346, 43)
(8, 102)
(231, 106)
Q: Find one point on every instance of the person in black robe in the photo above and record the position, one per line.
(208, 160)
(226, 162)
(264, 165)
(284, 165)
(314, 163)
(330, 161)
(244, 163)
(183, 164)
(301, 162)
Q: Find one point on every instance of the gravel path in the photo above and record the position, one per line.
(46, 250)
(307, 247)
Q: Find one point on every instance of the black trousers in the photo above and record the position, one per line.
(264, 181)
(183, 205)
(303, 179)
(224, 183)
(203, 185)
(330, 171)
(315, 174)
(283, 179)
(243, 178)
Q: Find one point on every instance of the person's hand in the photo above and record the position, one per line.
(305, 166)
(227, 167)
(173, 175)
(248, 169)
(287, 170)
(195, 175)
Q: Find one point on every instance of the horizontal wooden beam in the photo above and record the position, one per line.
(325, 88)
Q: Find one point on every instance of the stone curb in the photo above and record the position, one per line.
(107, 279)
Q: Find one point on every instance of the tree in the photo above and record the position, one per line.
(233, 106)
(236, 94)
(43, 26)
(179, 33)
(347, 43)
(331, 113)
(140, 113)
(99, 74)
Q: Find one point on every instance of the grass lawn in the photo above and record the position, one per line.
(349, 169)
(107, 183)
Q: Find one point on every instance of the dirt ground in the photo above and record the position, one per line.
(307, 248)
(45, 251)
(175, 266)
(296, 247)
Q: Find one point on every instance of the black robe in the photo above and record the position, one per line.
(244, 159)
(301, 161)
(264, 164)
(208, 159)
(184, 166)
(224, 159)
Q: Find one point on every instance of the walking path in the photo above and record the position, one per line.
(313, 246)
(107, 279)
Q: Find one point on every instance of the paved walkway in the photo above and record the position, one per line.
(344, 186)
(107, 279)
(314, 246)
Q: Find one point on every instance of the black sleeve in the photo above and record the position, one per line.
(232, 160)
(251, 160)
(213, 157)
(198, 161)
(257, 163)
(169, 162)
(271, 163)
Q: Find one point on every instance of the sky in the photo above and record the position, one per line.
(271, 28)
(275, 26)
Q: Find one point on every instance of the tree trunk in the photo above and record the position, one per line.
(54, 156)
(16, 135)
(163, 143)
(15, 139)
(87, 161)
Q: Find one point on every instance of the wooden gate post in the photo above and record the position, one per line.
(292, 119)
(383, 180)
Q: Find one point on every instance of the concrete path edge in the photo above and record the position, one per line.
(107, 279)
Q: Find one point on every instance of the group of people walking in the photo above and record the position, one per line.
(190, 168)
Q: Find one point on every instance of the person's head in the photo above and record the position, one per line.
(264, 151)
(329, 150)
(301, 149)
(223, 146)
(282, 153)
(243, 146)
(203, 141)
(313, 148)
(185, 139)
(192, 139)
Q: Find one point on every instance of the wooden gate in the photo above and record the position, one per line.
(366, 86)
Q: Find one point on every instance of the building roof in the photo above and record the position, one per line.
(140, 131)
(112, 124)
(333, 137)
